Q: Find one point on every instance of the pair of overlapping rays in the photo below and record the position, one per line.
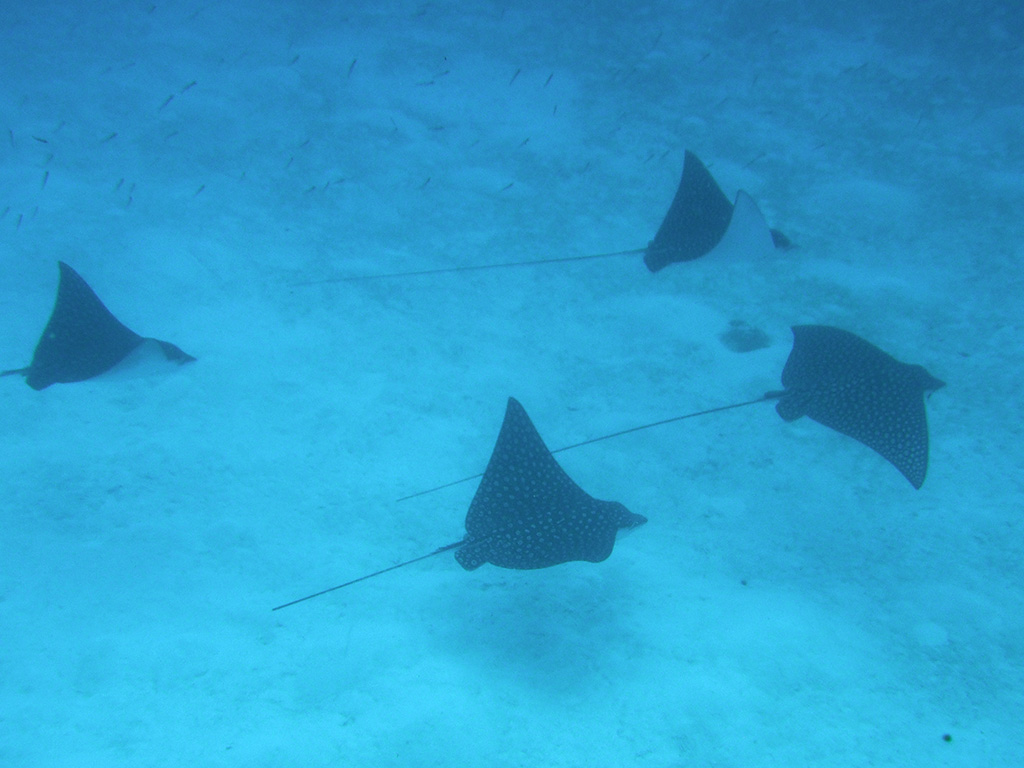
(527, 512)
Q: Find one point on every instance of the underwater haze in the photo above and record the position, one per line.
(213, 170)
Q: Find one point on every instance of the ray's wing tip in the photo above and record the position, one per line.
(67, 272)
(915, 477)
(780, 240)
(175, 353)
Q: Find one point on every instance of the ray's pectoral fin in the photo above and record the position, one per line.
(696, 220)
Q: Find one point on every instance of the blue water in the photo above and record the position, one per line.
(792, 601)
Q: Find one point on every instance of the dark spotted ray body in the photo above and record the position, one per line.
(527, 512)
(850, 385)
(697, 220)
(83, 339)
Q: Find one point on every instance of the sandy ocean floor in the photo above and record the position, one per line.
(792, 601)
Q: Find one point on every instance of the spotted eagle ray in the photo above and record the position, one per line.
(83, 339)
(843, 382)
(527, 512)
(700, 220)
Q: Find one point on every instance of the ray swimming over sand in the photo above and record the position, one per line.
(846, 383)
(843, 382)
(700, 221)
(527, 512)
(82, 339)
